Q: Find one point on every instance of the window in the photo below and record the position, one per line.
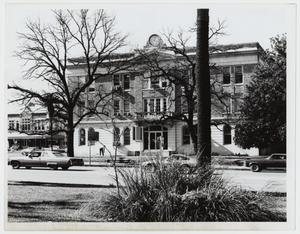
(26, 125)
(185, 135)
(126, 81)
(237, 102)
(226, 75)
(145, 83)
(164, 83)
(91, 104)
(116, 80)
(116, 107)
(36, 154)
(226, 135)
(227, 105)
(154, 82)
(17, 125)
(164, 105)
(238, 74)
(137, 133)
(92, 136)
(151, 106)
(92, 87)
(116, 136)
(126, 106)
(157, 107)
(127, 136)
(80, 108)
(81, 136)
(145, 105)
(11, 124)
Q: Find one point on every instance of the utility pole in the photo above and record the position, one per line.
(203, 90)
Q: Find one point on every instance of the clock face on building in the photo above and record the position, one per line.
(154, 40)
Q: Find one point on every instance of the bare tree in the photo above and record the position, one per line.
(49, 50)
(175, 61)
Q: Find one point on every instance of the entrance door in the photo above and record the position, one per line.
(152, 138)
(155, 140)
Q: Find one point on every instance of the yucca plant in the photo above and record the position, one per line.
(167, 195)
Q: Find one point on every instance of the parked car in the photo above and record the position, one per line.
(42, 158)
(272, 161)
(185, 163)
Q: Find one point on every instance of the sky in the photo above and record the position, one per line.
(243, 23)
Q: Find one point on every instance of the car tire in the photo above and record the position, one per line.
(15, 164)
(65, 168)
(255, 167)
(54, 167)
(185, 169)
(28, 167)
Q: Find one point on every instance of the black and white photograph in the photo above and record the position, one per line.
(149, 116)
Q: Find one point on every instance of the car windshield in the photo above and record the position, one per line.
(59, 154)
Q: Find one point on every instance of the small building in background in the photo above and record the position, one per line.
(28, 126)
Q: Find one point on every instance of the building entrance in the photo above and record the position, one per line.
(155, 137)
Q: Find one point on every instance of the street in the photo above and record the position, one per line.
(269, 181)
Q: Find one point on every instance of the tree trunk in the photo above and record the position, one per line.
(70, 136)
(203, 90)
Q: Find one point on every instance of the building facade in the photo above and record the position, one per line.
(131, 124)
(29, 127)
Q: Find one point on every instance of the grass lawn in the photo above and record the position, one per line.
(27, 203)
(44, 203)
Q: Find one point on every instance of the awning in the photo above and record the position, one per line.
(20, 136)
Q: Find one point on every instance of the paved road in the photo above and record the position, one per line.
(271, 181)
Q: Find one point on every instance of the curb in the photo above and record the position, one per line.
(53, 184)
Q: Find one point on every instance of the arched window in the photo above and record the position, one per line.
(185, 135)
(116, 136)
(127, 136)
(81, 136)
(226, 135)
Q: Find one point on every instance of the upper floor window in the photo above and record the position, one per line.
(80, 106)
(155, 105)
(26, 125)
(237, 103)
(126, 106)
(126, 81)
(92, 87)
(226, 135)
(11, 124)
(154, 82)
(122, 80)
(226, 75)
(116, 79)
(116, 107)
(227, 104)
(238, 74)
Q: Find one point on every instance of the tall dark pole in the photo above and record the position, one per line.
(203, 90)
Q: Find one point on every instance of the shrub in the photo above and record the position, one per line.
(170, 196)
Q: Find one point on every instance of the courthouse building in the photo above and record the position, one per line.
(133, 125)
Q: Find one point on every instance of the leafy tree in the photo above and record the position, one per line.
(48, 51)
(263, 113)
